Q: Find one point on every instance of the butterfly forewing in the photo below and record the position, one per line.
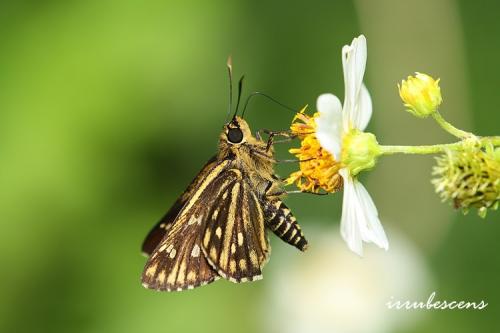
(178, 263)
(161, 228)
(235, 242)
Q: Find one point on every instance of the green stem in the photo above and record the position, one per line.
(494, 140)
(449, 127)
(421, 150)
(434, 149)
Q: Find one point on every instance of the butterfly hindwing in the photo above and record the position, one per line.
(178, 263)
(161, 228)
(234, 242)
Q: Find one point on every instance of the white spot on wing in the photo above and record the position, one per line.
(196, 251)
(194, 219)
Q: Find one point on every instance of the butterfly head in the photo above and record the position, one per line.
(236, 131)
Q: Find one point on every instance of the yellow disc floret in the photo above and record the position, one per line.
(318, 168)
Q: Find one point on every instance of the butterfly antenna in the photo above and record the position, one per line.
(240, 89)
(255, 93)
(229, 65)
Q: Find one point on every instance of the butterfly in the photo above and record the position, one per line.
(217, 227)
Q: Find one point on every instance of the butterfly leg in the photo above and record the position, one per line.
(292, 160)
(286, 134)
(272, 134)
(306, 192)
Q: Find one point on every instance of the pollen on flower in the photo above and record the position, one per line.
(318, 168)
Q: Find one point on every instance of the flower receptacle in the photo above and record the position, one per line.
(360, 151)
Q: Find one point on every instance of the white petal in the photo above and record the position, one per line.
(372, 230)
(360, 220)
(349, 228)
(363, 111)
(329, 123)
(353, 62)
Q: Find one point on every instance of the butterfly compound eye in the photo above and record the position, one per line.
(235, 135)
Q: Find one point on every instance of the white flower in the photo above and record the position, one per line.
(360, 220)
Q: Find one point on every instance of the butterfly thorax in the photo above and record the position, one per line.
(248, 154)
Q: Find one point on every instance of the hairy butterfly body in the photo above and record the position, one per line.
(217, 227)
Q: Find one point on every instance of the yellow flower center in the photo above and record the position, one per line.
(318, 168)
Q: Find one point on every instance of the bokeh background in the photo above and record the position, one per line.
(108, 108)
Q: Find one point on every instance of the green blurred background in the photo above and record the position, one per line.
(108, 109)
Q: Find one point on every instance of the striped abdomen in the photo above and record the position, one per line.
(280, 220)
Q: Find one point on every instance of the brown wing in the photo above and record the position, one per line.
(178, 262)
(160, 229)
(235, 243)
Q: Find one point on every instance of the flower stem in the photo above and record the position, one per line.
(434, 149)
(421, 150)
(449, 127)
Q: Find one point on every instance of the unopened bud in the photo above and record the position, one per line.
(421, 94)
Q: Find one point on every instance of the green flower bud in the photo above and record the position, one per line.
(360, 151)
(470, 178)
